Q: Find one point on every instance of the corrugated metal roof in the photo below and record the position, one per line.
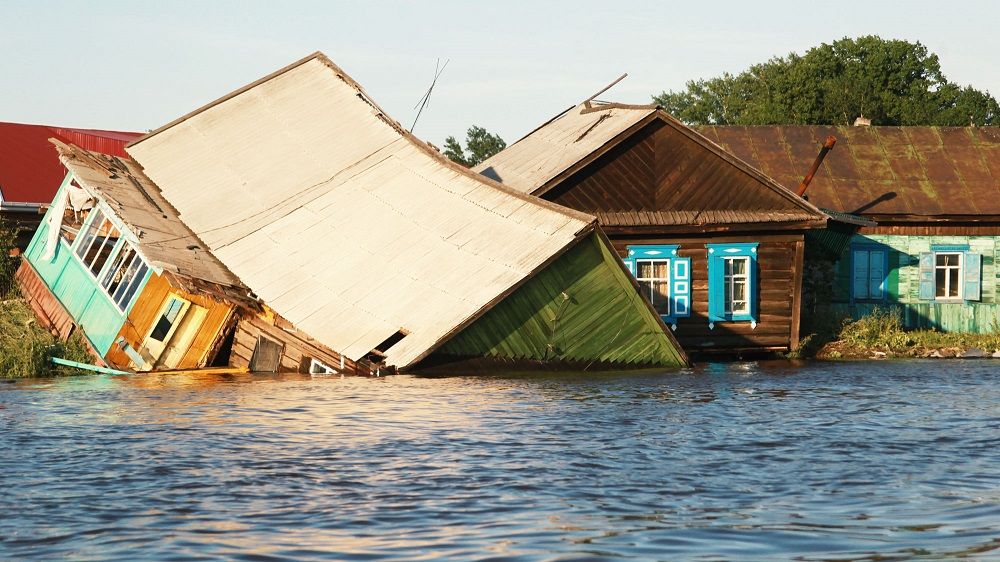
(886, 172)
(163, 239)
(30, 171)
(342, 222)
(559, 144)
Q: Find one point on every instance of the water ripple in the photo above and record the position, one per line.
(750, 461)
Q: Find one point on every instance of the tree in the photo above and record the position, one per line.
(479, 143)
(891, 82)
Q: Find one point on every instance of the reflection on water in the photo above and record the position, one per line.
(887, 461)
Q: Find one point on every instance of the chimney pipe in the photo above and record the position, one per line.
(827, 147)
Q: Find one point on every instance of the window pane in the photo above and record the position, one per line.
(739, 266)
(133, 284)
(661, 270)
(739, 290)
(645, 269)
(661, 294)
(166, 320)
(116, 273)
(939, 279)
(88, 235)
(953, 282)
(106, 236)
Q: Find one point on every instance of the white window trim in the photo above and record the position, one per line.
(668, 280)
(317, 367)
(729, 286)
(947, 279)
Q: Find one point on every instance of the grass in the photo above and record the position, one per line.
(26, 348)
(882, 332)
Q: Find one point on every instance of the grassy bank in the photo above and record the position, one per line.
(26, 348)
(881, 334)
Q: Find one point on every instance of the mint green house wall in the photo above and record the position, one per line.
(902, 284)
(76, 288)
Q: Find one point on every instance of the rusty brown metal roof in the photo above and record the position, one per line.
(900, 173)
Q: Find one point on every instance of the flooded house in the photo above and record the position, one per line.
(716, 245)
(935, 195)
(112, 261)
(30, 171)
(364, 245)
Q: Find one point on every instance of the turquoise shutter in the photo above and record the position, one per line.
(876, 274)
(973, 271)
(926, 291)
(630, 264)
(681, 287)
(716, 281)
(860, 274)
(752, 292)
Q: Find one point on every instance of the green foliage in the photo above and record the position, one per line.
(26, 348)
(8, 263)
(480, 144)
(882, 330)
(891, 82)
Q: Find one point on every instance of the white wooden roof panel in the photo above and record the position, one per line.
(340, 221)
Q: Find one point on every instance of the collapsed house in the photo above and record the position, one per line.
(716, 244)
(935, 195)
(359, 247)
(112, 259)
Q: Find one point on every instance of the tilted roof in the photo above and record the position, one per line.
(341, 221)
(562, 142)
(30, 171)
(671, 175)
(892, 173)
(163, 239)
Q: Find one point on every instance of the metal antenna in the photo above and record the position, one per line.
(438, 71)
(586, 103)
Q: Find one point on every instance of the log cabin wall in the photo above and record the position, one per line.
(296, 348)
(660, 187)
(146, 311)
(779, 262)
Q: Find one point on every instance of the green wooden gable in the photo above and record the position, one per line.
(581, 308)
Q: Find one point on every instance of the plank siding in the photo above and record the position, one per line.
(297, 351)
(145, 312)
(779, 259)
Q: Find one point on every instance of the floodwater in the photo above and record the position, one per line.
(746, 461)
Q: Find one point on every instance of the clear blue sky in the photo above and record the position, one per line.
(135, 65)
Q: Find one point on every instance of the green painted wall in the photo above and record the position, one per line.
(600, 318)
(77, 290)
(903, 284)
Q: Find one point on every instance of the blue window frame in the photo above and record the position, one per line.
(664, 278)
(869, 272)
(732, 283)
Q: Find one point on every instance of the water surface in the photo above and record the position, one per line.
(768, 461)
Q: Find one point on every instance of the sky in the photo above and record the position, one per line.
(135, 65)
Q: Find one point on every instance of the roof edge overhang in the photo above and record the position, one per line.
(580, 236)
(717, 228)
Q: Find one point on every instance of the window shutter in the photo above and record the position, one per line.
(876, 272)
(973, 271)
(753, 294)
(860, 275)
(926, 291)
(716, 282)
(630, 264)
(681, 287)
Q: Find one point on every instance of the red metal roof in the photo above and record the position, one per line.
(30, 171)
